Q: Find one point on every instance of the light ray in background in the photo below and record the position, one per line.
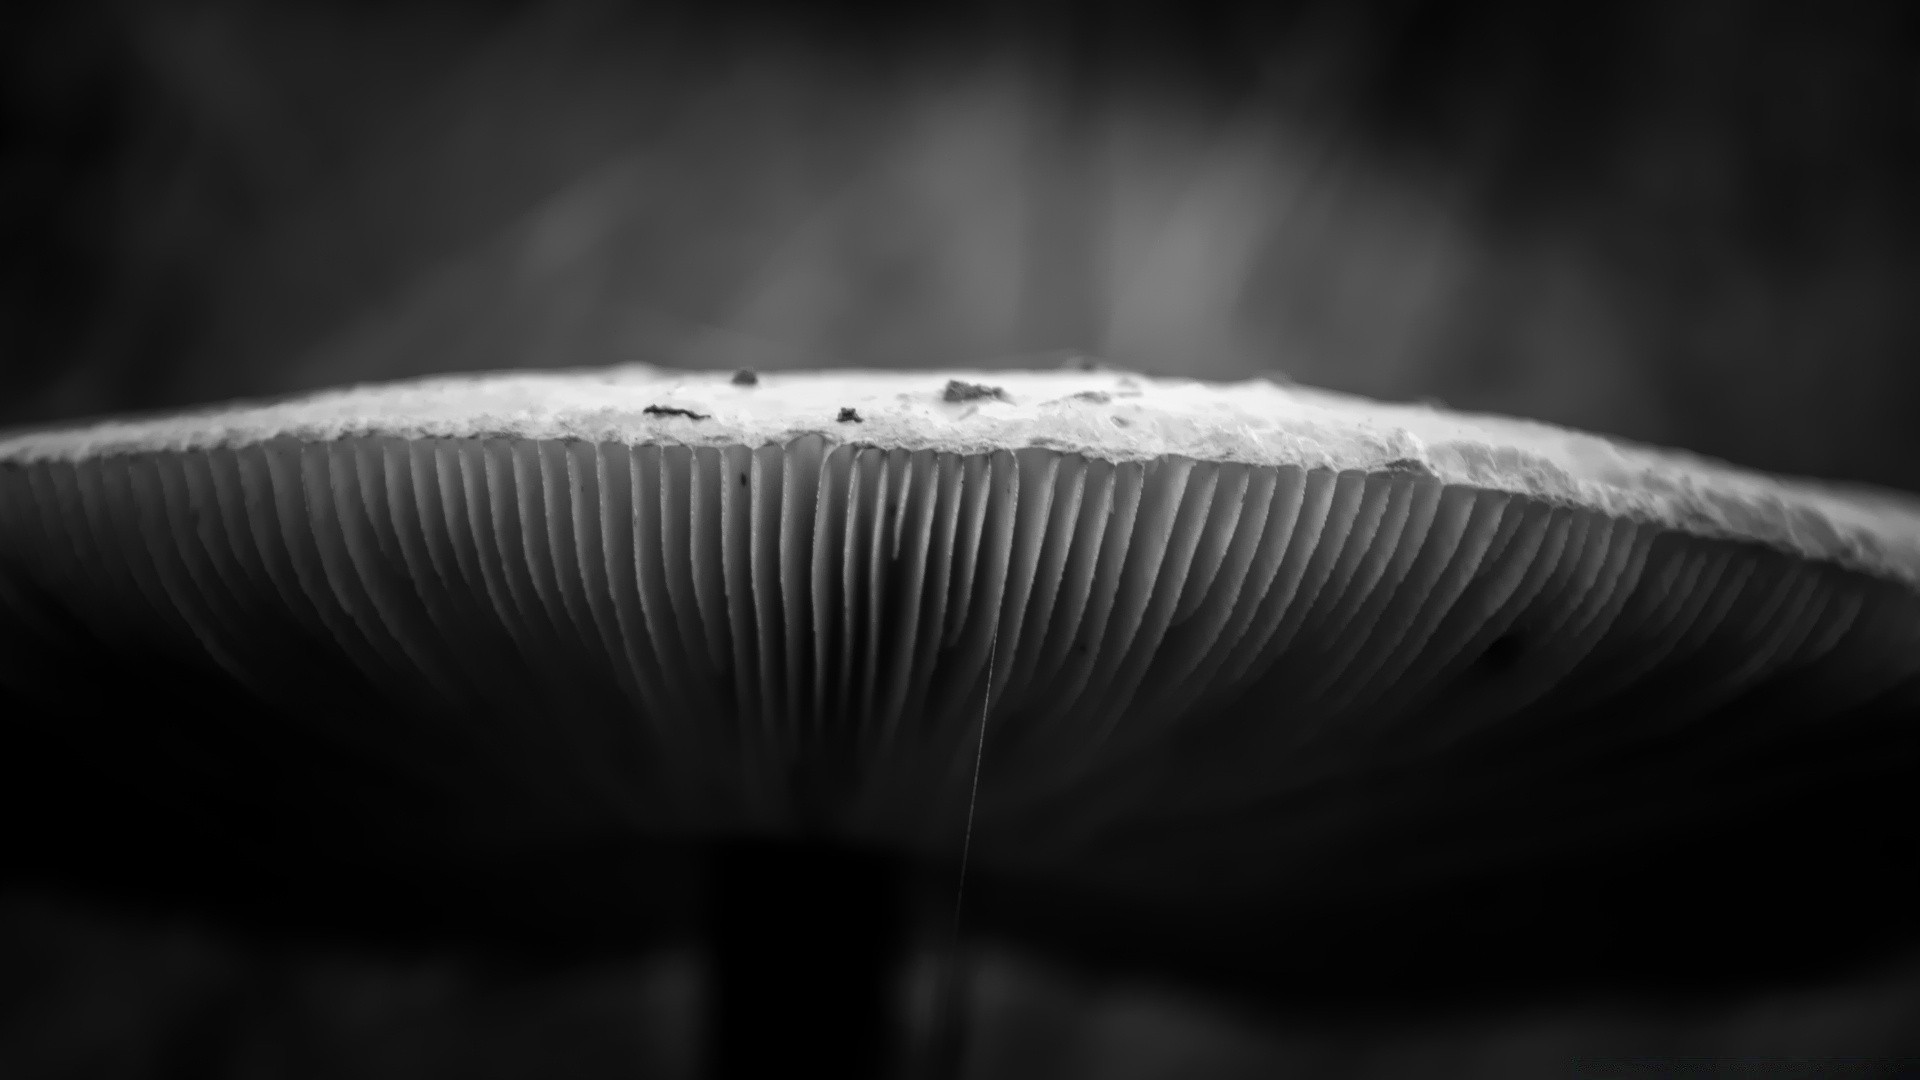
(1223, 248)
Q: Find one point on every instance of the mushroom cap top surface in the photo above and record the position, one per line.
(1105, 415)
(1206, 646)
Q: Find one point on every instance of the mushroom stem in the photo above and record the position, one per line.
(806, 939)
(941, 1053)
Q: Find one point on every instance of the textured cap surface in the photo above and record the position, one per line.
(1222, 637)
(1100, 414)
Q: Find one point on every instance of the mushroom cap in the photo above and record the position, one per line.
(1202, 645)
(1108, 416)
(1099, 414)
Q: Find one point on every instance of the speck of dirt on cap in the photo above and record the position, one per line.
(673, 410)
(958, 391)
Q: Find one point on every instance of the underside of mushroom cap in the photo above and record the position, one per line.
(1188, 640)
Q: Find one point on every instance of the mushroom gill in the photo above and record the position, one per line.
(1191, 653)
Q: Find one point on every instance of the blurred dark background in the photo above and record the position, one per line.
(1688, 222)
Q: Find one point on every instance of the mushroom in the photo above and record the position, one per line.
(1168, 663)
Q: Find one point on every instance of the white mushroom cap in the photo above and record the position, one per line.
(1105, 415)
(1211, 629)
